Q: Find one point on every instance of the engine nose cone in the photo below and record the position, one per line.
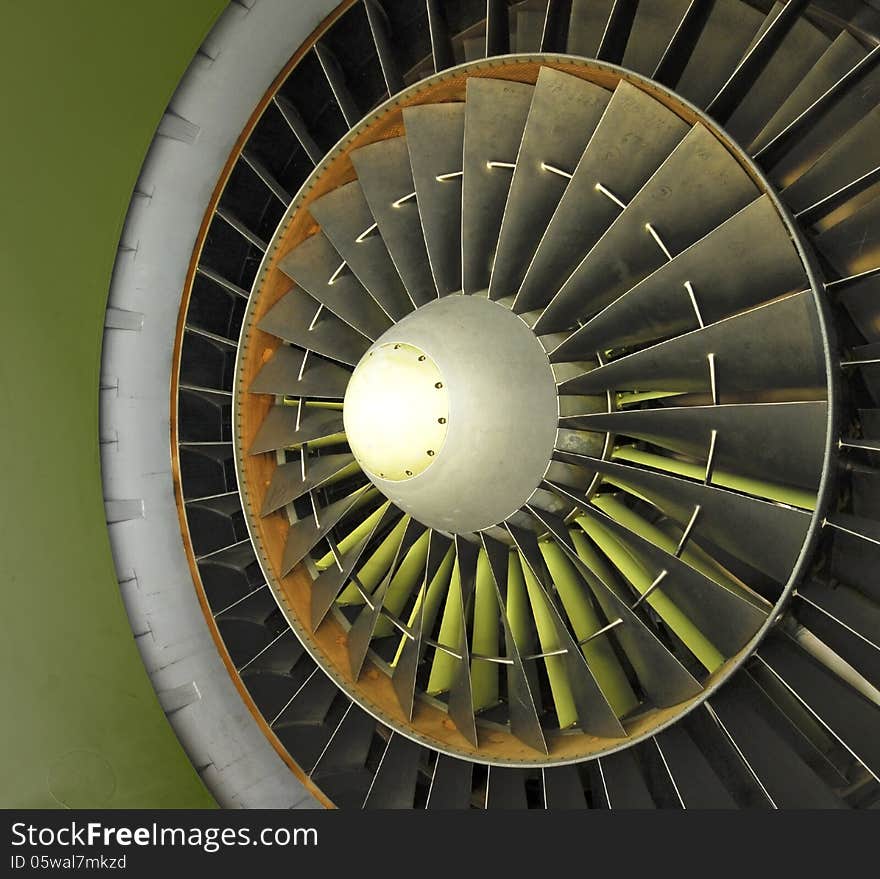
(453, 414)
(396, 412)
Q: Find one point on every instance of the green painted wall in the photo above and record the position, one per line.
(83, 85)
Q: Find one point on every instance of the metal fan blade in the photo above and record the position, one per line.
(364, 627)
(317, 267)
(305, 534)
(594, 713)
(435, 138)
(699, 171)
(328, 585)
(287, 427)
(634, 136)
(759, 350)
(495, 118)
(291, 373)
(461, 699)
(694, 288)
(564, 113)
(438, 570)
(385, 176)
(833, 64)
(784, 442)
(291, 481)
(523, 694)
(347, 222)
(299, 319)
(767, 536)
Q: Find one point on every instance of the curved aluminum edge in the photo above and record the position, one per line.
(204, 119)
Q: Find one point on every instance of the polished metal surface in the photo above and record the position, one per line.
(317, 267)
(502, 402)
(396, 412)
(287, 426)
(306, 533)
(727, 32)
(698, 171)
(768, 536)
(385, 176)
(564, 113)
(292, 372)
(290, 482)
(303, 321)
(756, 351)
(660, 306)
(587, 25)
(495, 118)
(653, 27)
(797, 53)
(328, 585)
(770, 45)
(435, 139)
(346, 220)
(726, 616)
(780, 442)
(633, 138)
(833, 64)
